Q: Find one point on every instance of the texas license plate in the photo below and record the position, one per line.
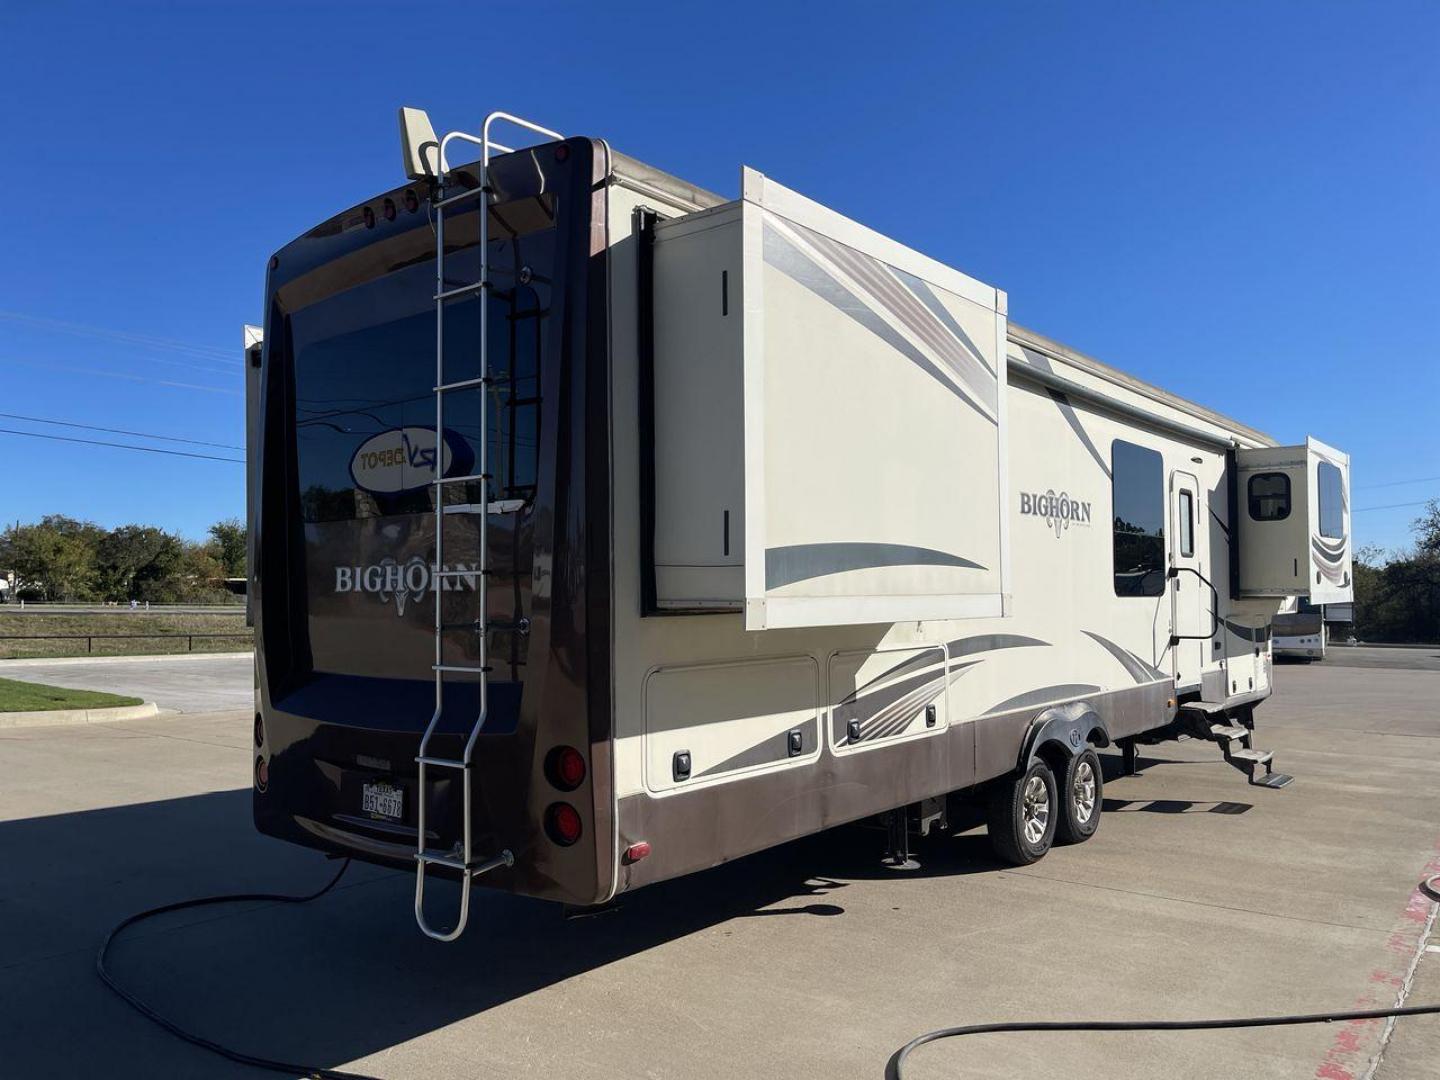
(383, 800)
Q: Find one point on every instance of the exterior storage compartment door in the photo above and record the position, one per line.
(1295, 522)
(829, 419)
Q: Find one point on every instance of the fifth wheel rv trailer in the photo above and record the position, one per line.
(607, 530)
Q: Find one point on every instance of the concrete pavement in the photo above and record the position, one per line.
(1200, 896)
(185, 684)
(1400, 658)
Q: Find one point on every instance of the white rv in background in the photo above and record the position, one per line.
(1298, 630)
(711, 523)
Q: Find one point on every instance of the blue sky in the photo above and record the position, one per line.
(1236, 201)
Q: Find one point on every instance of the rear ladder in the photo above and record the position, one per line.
(461, 857)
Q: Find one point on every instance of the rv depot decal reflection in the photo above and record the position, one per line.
(1059, 511)
(406, 582)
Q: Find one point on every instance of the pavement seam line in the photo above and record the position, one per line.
(1403, 993)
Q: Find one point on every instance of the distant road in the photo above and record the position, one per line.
(187, 684)
(121, 609)
(1374, 656)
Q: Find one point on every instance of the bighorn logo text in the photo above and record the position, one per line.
(1059, 511)
(403, 583)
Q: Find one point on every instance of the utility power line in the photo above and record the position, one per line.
(1394, 506)
(126, 375)
(119, 431)
(121, 446)
(206, 352)
(1399, 483)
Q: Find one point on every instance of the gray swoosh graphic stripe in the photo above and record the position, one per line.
(927, 297)
(1068, 412)
(1139, 670)
(782, 254)
(897, 717)
(967, 646)
(801, 562)
(880, 701)
(772, 748)
(1332, 551)
(888, 292)
(901, 714)
(1045, 694)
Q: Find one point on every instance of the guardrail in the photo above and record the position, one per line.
(90, 639)
(55, 607)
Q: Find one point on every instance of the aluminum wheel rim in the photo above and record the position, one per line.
(1082, 792)
(1035, 807)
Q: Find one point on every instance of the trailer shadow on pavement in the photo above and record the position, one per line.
(349, 975)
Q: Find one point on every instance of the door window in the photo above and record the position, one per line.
(1187, 523)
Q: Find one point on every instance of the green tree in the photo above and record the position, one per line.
(139, 562)
(227, 545)
(54, 559)
(1397, 595)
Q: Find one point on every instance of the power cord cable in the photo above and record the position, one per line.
(894, 1068)
(293, 1069)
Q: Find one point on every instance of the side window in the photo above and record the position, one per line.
(1187, 523)
(1331, 489)
(1137, 496)
(1269, 496)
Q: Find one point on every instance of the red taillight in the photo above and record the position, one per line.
(636, 851)
(562, 152)
(565, 768)
(369, 216)
(388, 209)
(262, 774)
(259, 730)
(412, 201)
(562, 822)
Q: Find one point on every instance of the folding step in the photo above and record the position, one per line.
(1210, 707)
(1254, 757)
(1222, 732)
(1273, 780)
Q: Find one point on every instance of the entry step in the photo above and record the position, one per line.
(1228, 731)
(1256, 757)
(1274, 780)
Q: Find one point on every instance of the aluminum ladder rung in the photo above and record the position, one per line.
(463, 290)
(472, 867)
(441, 575)
(468, 193)
(463, 384)
(444, 763)
(481, 670)
(440, 481)
(500, 506)
(517, 626)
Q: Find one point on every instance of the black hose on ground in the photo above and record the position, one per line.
(175, 1029)
(894, 1068)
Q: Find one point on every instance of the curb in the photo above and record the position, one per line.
(46, 661)
(56, 717)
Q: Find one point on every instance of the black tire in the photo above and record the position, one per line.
(1083, 788)
(1007, 817)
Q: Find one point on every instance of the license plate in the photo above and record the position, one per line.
(383, 800)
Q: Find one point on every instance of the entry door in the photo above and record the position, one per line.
(1189, 596)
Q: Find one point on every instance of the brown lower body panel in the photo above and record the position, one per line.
(697, 829)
